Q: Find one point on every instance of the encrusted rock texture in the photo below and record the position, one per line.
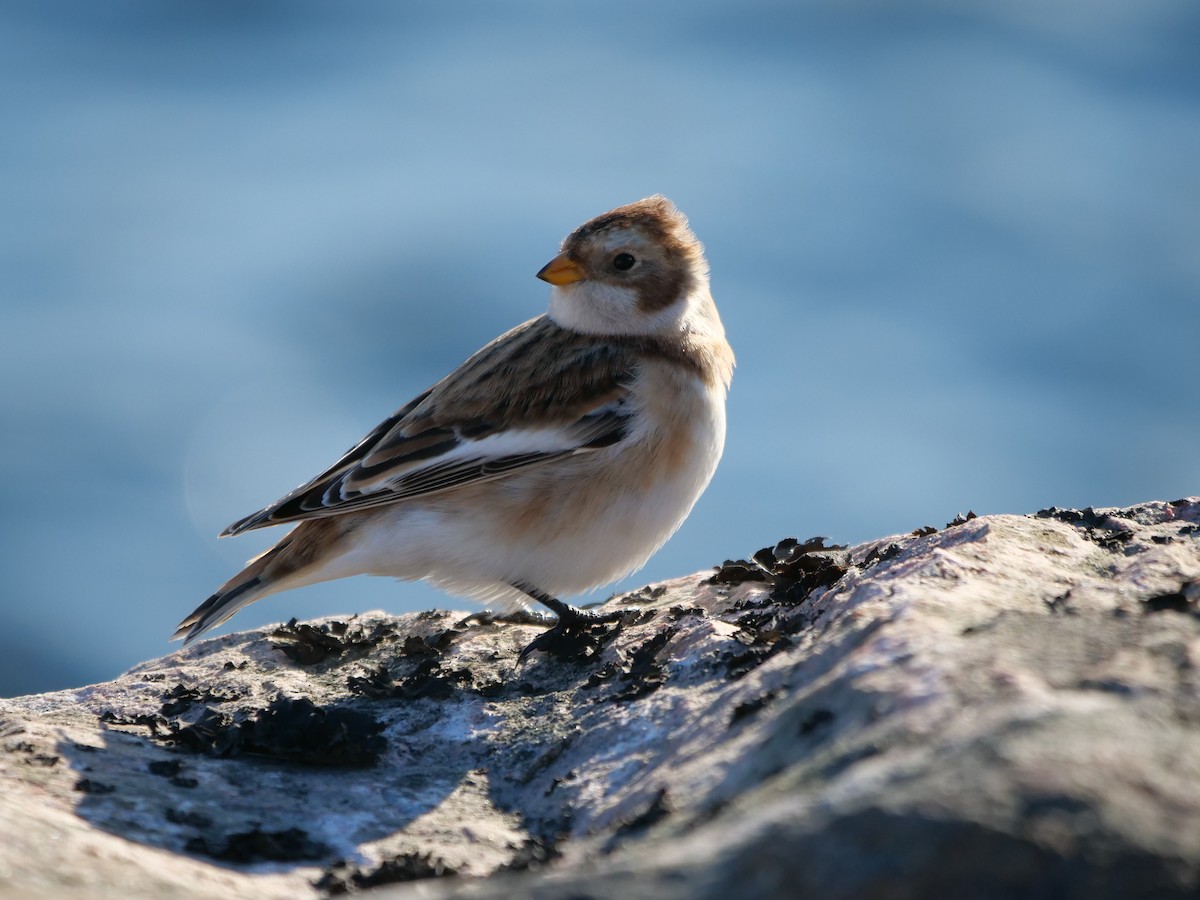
(1008, 706)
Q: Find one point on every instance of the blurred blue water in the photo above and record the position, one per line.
(957, 252)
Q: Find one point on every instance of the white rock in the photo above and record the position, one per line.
(1007, 707)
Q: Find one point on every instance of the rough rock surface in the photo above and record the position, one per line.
(1009, 706)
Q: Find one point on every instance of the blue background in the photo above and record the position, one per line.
(957, 253)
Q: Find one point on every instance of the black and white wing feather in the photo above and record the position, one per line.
(487, 420)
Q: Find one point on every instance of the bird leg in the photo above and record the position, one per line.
(573, 624)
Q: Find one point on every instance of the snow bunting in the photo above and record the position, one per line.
(558, 458)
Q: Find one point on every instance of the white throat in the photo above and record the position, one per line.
(593, 308)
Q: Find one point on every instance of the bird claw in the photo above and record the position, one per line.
(571, 634)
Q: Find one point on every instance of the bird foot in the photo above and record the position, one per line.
(572, 635)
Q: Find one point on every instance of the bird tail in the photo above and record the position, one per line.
(248, 585)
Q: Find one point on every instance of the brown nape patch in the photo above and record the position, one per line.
(659, 289)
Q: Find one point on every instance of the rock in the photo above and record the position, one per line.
(1007, 707)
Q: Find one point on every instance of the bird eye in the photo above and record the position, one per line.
(623, 262)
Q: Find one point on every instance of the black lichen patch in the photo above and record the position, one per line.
(1061, 605)
(188, 818)
(766, 628)
(213, 733)
(427, 681)
(577, 641)
(287, 730)
(308, 645)
(750, 708)
(803, 568)
(642, 674)
(1087, 518)
(738, 571)
(88, 786)
(658, 809)
(644, 594)
(30, 754)
(794, 569)
(157, 725)
(1141, 512)
(376, 684)
(300, 731)
(167, 768)
(532, 855)
(760, 645)
(290, 845)
(346, 878)
(1112, 540)
(430, 644)
(487, 618)
(182, 697)
(166, 725)
(1106, 530)
(545, 759)
(1182, 601)
(881, 554)
(815, 721)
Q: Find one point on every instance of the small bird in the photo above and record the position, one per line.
(556, 459)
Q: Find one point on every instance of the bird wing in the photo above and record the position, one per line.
(535, 395)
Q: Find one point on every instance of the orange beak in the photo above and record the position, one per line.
(561, 270)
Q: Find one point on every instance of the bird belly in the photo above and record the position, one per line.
(565, 527)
